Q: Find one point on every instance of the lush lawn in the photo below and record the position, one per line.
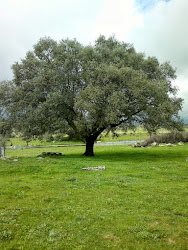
(139, 202)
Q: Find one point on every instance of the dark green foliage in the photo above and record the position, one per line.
(6, 120)
(84, 90)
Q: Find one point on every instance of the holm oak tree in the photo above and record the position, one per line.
(85, 90)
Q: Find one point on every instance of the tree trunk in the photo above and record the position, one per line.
(89, 146)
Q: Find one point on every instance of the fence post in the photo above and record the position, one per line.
(2, 152)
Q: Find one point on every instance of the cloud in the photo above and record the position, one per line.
(117, 17)
(164, 34)
(23, 23)
(144, 5)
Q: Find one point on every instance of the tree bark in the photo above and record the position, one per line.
(90, 141)
(89, 146)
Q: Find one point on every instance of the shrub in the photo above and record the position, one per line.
(48, 137)
(172, 137)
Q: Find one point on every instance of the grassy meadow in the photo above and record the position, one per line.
(138, 202)
(139, 134)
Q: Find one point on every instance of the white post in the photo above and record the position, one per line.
(2, 152)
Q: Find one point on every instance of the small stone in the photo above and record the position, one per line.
(15, 160)
(187, 159)
(59, 154)
(136, 145)
(180, 143)
(99, 168)
(51, 154)
(170, 145)
(40, 158)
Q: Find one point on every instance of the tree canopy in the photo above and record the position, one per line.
(84, 90)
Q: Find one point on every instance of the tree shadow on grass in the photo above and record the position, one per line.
(138, 154)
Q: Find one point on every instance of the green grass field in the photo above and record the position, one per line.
(138, 202)
(139, 134)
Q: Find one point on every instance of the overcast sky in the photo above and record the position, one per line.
(156, 27)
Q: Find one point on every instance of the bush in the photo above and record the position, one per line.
(48, 137)
(172, 137)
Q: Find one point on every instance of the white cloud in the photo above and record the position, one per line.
(23, 23)
(164, 34)
(117, 17)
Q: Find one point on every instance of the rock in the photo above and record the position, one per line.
(40, 158)
(187, 159)
(161, 145)
(51, 154)
(180, 143)
(136, 145)
(15, 160)
(154, 144)
(170, 145)
(99, 168)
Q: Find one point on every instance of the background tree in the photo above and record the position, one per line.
(5, 116)
(85, 90)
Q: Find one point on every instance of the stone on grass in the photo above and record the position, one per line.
(51, 154)
(170, 145)
(136, 145)
(40, 158)
(99, 168)
(180, 143)
(154, 144)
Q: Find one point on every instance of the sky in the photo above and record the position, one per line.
(156, 27)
